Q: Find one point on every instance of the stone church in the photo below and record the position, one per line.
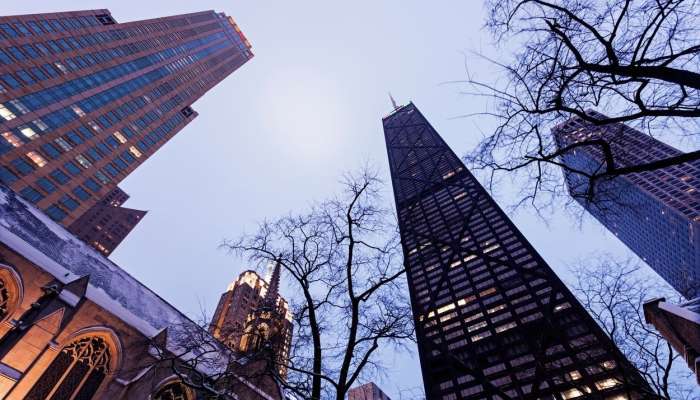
(74, 325)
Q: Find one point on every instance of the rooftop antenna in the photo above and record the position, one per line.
(393, 102)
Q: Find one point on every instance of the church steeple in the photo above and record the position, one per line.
(270, 299)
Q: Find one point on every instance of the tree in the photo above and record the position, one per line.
(636, 60)
(613, 292)
(342, 265)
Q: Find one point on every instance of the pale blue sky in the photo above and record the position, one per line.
(276, 134)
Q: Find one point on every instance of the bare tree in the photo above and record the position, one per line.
(636, 60)
(342, 266)
(613, 292)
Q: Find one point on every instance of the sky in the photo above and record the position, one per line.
(278, 133)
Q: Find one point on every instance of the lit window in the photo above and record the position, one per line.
(480, 336)
(28, 132)
(120, 137)
(571, 394)
(61, 67)
(491, 248)
(79, 111)
(469, 258)
(94, 126)
(574, 375)
(37, 158)
(18, 105)
(445, 308)
(41, 125)
(562, 306)
(496, 309)
(12, 139)
(476, 326)
(83, 161)
(5, 113)
(63, 144)
(607, 383)
(505, 327)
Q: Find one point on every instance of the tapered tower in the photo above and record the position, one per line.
(492, 319)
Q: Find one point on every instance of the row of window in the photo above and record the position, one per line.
(15, 29)
(78, 62)
(66, 115)
(65, 90)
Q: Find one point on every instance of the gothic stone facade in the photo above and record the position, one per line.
(74, 325)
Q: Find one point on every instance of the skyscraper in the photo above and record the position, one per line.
(492, 319)
(655, 213)
(246, 303)
(107, 223)
(84, 100)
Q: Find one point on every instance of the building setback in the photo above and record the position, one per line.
(107, 223)
(492, 319)
(85, 100)
(655, 213)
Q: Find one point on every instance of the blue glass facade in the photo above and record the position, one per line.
(656, 213)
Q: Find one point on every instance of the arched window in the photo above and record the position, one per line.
(4, 299)
(172, 391)
(76, 373)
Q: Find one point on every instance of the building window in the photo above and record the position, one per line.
(4, 299)
(81, 193)
(37, 158)
(6, 113)
(172, 391)
(69, 202)
(31, 194)
(56, 213)
(46, 185)
(28, 132)
(12, 139)
(59, 176)
(76, 373)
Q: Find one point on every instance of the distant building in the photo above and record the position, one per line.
(74, 325)
(680, 325)
(85, 100)
(492, 319)
(107, 223)
(656, 213)
(249, 304)
(368, 391)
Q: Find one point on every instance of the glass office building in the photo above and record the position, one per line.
(84, 100)
(492, 319)
(655, 213)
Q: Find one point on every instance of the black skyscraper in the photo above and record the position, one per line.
(492, 319)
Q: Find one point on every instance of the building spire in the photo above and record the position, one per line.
(393, 102)
(274, 284)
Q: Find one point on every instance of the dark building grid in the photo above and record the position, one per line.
(655, 213)
(492, 319)
(125, 90)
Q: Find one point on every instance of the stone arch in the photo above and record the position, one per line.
(84, 364)
(11, 291)
(172, 388)
(108, 335)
